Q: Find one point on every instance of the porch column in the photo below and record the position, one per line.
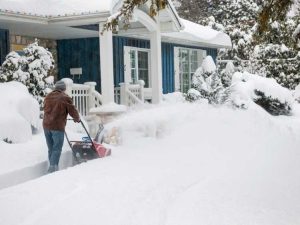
(156, 67)
(106, 63)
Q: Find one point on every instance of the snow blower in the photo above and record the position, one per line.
(88, 149)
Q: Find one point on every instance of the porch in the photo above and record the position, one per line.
(89, 102)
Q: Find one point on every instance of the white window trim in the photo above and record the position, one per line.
(127, 63)
(178, 84)
(176, 69)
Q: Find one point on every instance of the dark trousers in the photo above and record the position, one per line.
(55, 141)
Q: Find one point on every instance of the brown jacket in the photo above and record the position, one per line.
(57, 106)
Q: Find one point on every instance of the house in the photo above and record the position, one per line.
(163, 51)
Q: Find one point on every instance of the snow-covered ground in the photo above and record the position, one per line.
(19, 112)
(179, 163)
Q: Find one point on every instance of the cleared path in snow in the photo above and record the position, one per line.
(22, 175)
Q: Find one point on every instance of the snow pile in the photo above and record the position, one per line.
(217, 166)
(19, 112)
(174, 97)
(245, 85)
(159, 124)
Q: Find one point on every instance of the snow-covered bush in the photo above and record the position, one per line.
(19, 113)
(272, 105)
(12, 68)
(226, 75)
(266, 92)
(31, 69)
(207, 84)
(193, 95)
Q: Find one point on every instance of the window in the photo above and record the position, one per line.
(136, 61)
(187, 61)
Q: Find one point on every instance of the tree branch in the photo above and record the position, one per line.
(126, 13)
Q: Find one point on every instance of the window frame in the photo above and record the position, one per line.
(128, 63)
(180, 80)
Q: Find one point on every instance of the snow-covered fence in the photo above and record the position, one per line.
(131, 94)
(84, 96)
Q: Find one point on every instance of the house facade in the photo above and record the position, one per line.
(163, 51)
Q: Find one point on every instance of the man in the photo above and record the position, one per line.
(57, 106)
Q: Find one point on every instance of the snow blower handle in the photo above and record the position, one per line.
(86, 131)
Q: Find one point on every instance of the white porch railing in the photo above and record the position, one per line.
(117, 95)
(84, 96)
(130, 94)
(80, 96)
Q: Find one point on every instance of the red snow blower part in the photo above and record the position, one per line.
(88, 149)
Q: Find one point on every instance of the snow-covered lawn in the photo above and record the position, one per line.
(179, 164)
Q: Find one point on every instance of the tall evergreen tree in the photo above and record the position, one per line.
(277, 55)
(194, 10)
(234, 17)
(261, 35)
(272, 10)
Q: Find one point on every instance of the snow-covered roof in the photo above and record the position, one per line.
(54, 8)
(201, 34)
(192, 32)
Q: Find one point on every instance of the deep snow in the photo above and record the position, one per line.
(19, 112)
(179, 163)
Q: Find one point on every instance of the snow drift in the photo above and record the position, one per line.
(19, 112)
(248, 89)
(209, 166)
